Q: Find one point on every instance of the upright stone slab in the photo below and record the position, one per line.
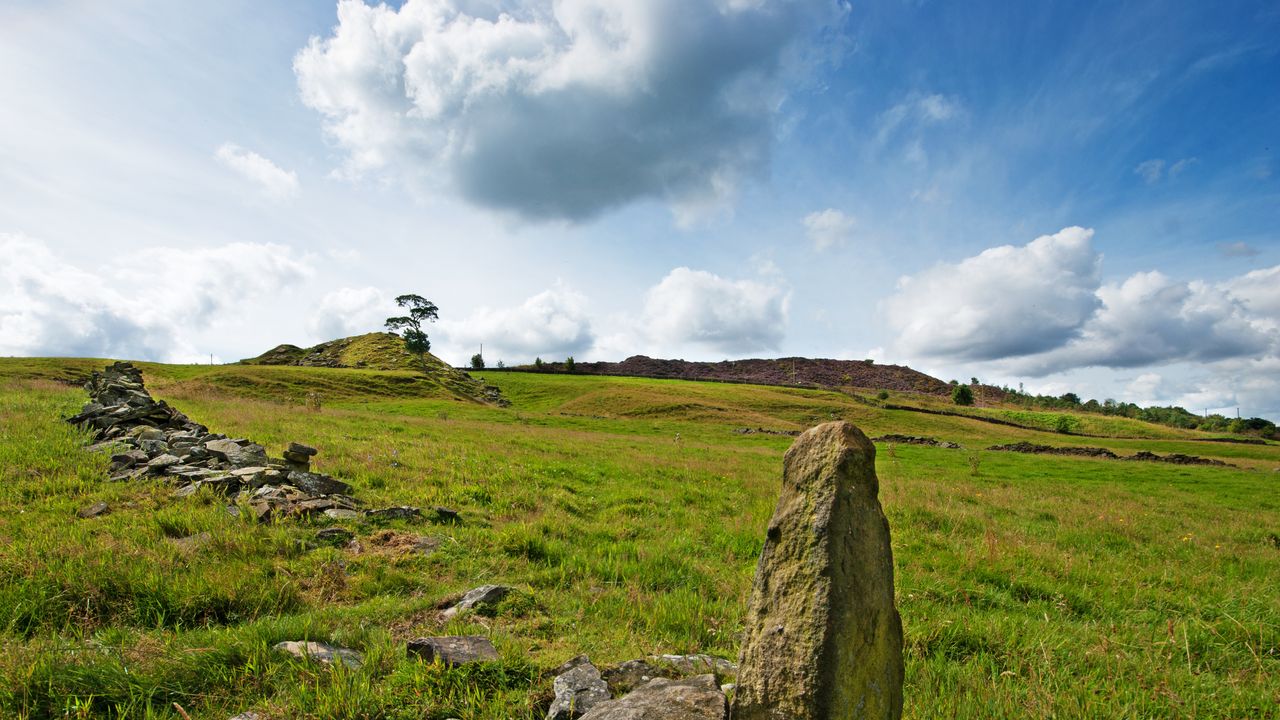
(823, 638)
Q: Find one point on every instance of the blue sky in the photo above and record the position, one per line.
(1074, 196)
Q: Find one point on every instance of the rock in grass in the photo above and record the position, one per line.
(699, 664)
(93, 511)
(695, 698)
(454, 649)
(400, 512)
(578, 688)
(823, 638)
(320, 652)
(318, 484)
(485, 596)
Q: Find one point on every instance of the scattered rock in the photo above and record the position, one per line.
(318, 484)
(321, 653)
(696, 698)
(93, 511)
(335, 535)
(485, 596)
(402, 512)
(578, 688)
(238, 455)
(192, 543)
(699, 664)
(454, 649)
(627, 676)
(822, 634)
(446, 516)
(250, 715)
(341, 514)
(765, 431)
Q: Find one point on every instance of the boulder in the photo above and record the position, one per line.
(823, 638)
(454, 649)
(695, 698)
(578, 688)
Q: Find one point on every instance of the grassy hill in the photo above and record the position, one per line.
(372, 351)
(630, 512)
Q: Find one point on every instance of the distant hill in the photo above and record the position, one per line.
(376, 351)
(792, 371)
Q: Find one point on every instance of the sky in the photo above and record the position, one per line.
(1066, 196)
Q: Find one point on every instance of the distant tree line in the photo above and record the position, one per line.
(1170, 415)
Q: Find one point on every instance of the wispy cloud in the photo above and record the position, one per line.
(274, 182)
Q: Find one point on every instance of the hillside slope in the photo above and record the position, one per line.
(816, 372)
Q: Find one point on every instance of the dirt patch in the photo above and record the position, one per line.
(394, 543)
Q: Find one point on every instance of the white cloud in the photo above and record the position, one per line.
(559, 109)
(350, 311)
(1150, 171)
(1154, 170)
(149, 305)
(1040, 309)
(275, 183)
(1238, 249)
(828, 228)
(917, 109)
(552, 324)
(699, 309)
(1007, 301)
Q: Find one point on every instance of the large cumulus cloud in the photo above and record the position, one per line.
(1007, 301)
(148, 306)
(1042, 308)
(552, 324)
(559, 108)
(701, 310)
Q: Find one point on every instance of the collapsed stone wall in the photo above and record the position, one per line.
(148, 438)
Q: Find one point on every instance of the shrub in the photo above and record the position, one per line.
(477, 362)
(883, 395)
(962, 395)
(1062, 424)
(568, 364)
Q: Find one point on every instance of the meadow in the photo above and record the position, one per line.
(630, 514)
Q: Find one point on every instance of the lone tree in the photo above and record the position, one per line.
(477, 362)
(962, 395)
(409, 326)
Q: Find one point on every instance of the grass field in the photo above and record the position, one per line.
(630, 513)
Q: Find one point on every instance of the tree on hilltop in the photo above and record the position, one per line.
(409, 327)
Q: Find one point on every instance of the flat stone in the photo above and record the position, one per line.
(485, 596)
(300, 449)
(318, 484)
(823, 638)
(320, 652)
(238, 455)
(454, 649)
(93, 511)
(695, 698)
(341, 514)
(577, 688)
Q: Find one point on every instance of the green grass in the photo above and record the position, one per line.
(630, 514)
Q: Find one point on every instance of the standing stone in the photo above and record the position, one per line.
(823, 638)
